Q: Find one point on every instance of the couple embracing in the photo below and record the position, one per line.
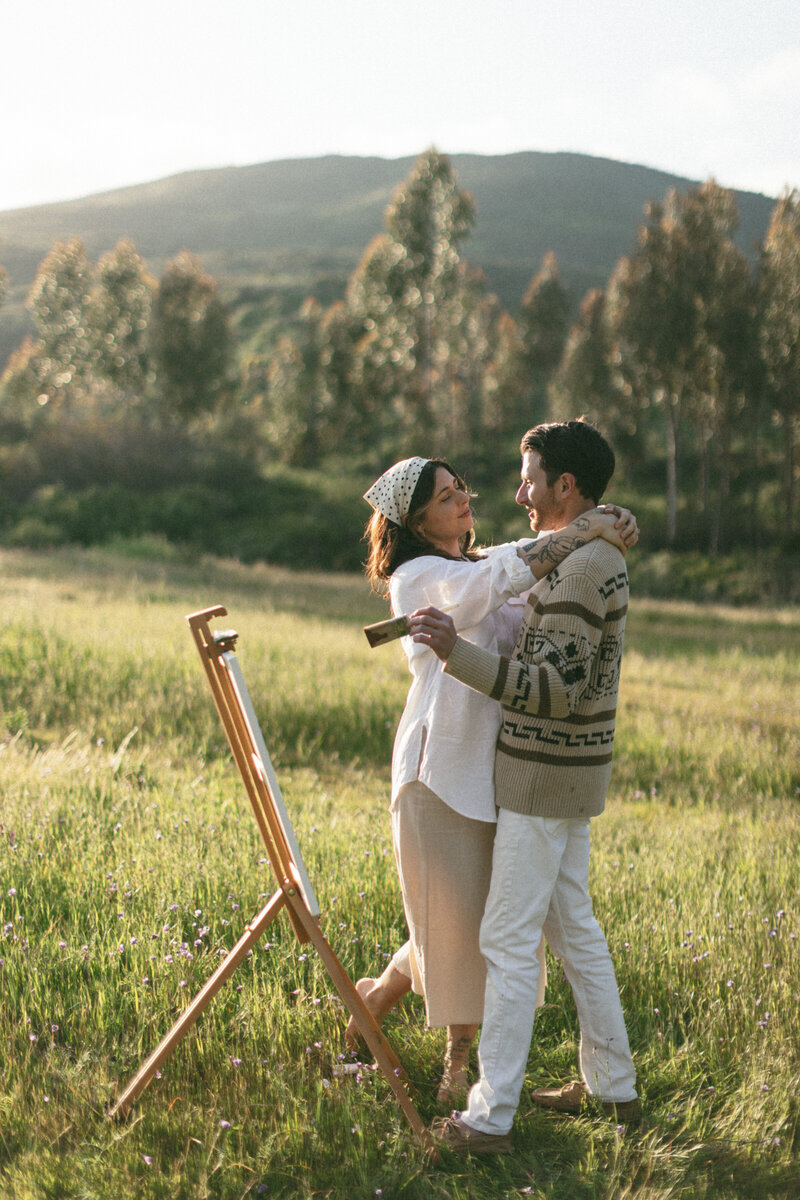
(502, 757)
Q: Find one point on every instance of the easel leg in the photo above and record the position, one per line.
(384, 1055)
(201, 1001)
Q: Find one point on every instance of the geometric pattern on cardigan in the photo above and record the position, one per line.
(559, 690)
(575, 659)
(549, 735)
(581, 641)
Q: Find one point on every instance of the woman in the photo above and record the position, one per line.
(420, 541)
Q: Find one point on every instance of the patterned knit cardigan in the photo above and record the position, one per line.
(559, 691)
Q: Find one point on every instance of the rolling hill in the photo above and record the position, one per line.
(304, 223)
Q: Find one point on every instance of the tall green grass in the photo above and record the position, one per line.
(130, 863)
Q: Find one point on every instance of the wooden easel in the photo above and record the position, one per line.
(294, 893)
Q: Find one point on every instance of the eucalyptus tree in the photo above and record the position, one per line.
(648, 317)
(119, 319)
(544, 321)
(55, 367)
(728, 381)
(287, 393)
(383, 341)
(779, 335)
(338, 395)
(191, 341)
(583, 383)
(300, 422)
(411, 297)
(659, 300)
(505, 409)
(459, 400)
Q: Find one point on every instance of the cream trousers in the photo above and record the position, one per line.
(540, 884)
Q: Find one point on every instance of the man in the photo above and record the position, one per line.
(559, 696)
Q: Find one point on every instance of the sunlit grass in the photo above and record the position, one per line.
(130, 862)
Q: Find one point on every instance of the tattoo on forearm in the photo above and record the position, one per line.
(554, 548)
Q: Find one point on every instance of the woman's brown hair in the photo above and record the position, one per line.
(390, 544)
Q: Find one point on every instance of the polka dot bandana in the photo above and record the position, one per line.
(391, 494)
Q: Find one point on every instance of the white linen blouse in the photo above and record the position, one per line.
(447, 734)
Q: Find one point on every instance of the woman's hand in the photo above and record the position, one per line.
(434, 629)
(617, 525)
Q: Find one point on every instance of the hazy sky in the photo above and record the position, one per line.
(96, 95)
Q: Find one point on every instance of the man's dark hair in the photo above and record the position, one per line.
(576, 448)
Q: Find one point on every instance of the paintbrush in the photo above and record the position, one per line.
(395, 627)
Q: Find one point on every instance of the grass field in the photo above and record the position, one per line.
(130, 862)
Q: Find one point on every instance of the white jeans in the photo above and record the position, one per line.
(540, 876)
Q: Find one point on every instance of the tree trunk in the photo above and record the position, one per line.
(705, 473)
(719, 532)
(755, 490)
(789, 455)
(708, 510)
(673, 425)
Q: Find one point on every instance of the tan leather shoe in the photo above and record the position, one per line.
(454, 1134)
(573, 1098)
